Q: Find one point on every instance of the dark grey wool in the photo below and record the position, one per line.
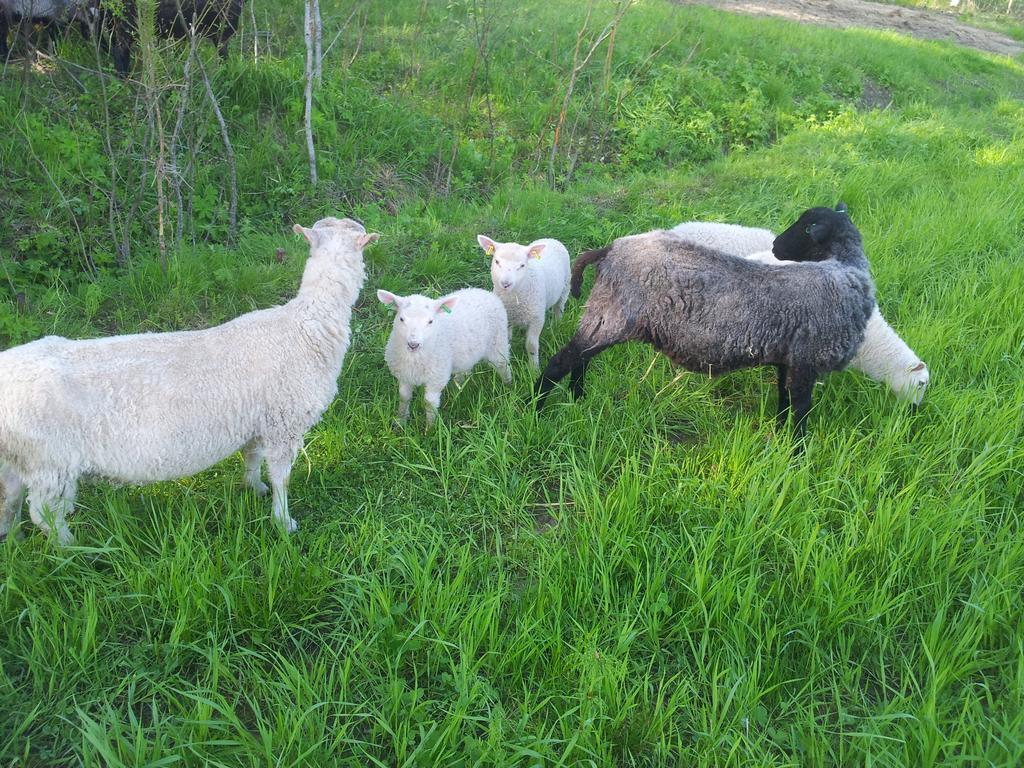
(713, 313)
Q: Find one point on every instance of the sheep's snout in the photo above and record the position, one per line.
(412, 345)
(506, 284)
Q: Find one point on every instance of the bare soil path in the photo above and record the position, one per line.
(920, 23)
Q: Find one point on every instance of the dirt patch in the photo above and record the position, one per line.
(916, 22)
(873, 95)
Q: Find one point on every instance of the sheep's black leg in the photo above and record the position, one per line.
(573, 357)
(5, 24)
(801, 387)
(783, 410)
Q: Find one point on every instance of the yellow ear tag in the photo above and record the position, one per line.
(490, 250)
(535, 254)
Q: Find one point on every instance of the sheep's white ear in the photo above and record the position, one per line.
(309, 234)
(386, 297)
(446, 305)
(487, 244)
(364, 240)
(535, 251)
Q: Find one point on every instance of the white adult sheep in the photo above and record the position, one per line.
(433, 339)
(158, 406)
(883, 356)
(529, 279)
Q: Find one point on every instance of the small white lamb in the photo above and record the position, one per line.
(433, 339)
(883, 356)
(159, 406)
(529, 279)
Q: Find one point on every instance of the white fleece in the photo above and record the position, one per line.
(529, 279)
(157, 406)
(882, 356)
(434, 339)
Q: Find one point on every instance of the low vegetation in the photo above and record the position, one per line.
(644, 577)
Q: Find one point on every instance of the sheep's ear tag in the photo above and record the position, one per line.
(535, 252)
(446, 309)
(490, 250)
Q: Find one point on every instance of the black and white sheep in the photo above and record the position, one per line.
(214, 20)
(48, 13)
(712, 312)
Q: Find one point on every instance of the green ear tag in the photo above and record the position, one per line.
(447, 310)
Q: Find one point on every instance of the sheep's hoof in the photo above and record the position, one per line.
(289, 525)
(260, 489)
(64, 537)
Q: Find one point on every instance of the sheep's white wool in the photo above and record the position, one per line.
(434, 339)
(883, 356)
(158, 406)
(529, 279)
(728, 238)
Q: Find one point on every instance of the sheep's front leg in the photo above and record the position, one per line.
(801, 387)
(253, 455)
(279, 469)
(404, 398)
(533, 342)
(50, 507)
(782, 412)
(14, 496)
(432, 399)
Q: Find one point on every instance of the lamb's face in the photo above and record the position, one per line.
(509, 262)
(911, 384)
(416, 317)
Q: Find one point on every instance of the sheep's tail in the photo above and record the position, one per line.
(582, 261)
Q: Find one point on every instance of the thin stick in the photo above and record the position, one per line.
(309, 91)
(318, 42)
(577, 67)
(233, 215)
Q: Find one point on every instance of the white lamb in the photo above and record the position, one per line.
(434, 339)
(529, 279)
(159, 406)
(883, 356)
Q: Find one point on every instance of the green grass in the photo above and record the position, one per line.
(645, 577)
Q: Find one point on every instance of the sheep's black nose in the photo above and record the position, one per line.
(505, 284)
(413, 344)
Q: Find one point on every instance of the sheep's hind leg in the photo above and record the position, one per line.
(573, 358)
(253, 455)
(784, 405)
(801, 388)
(14, 497)
(533, 343)
(50, 507)
(560, 306)
(279, 460)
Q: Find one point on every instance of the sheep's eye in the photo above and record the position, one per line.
(521, 266)
(807, 230)
(402, 319)
(430, 322)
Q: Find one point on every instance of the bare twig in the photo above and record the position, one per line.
(355, 9)
(229, 152)
(318, 43)
(577, 67)
(309, 22)
(183, 100)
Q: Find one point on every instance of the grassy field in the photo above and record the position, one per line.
(645, 577)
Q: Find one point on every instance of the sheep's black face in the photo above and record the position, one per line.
(806, 239)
